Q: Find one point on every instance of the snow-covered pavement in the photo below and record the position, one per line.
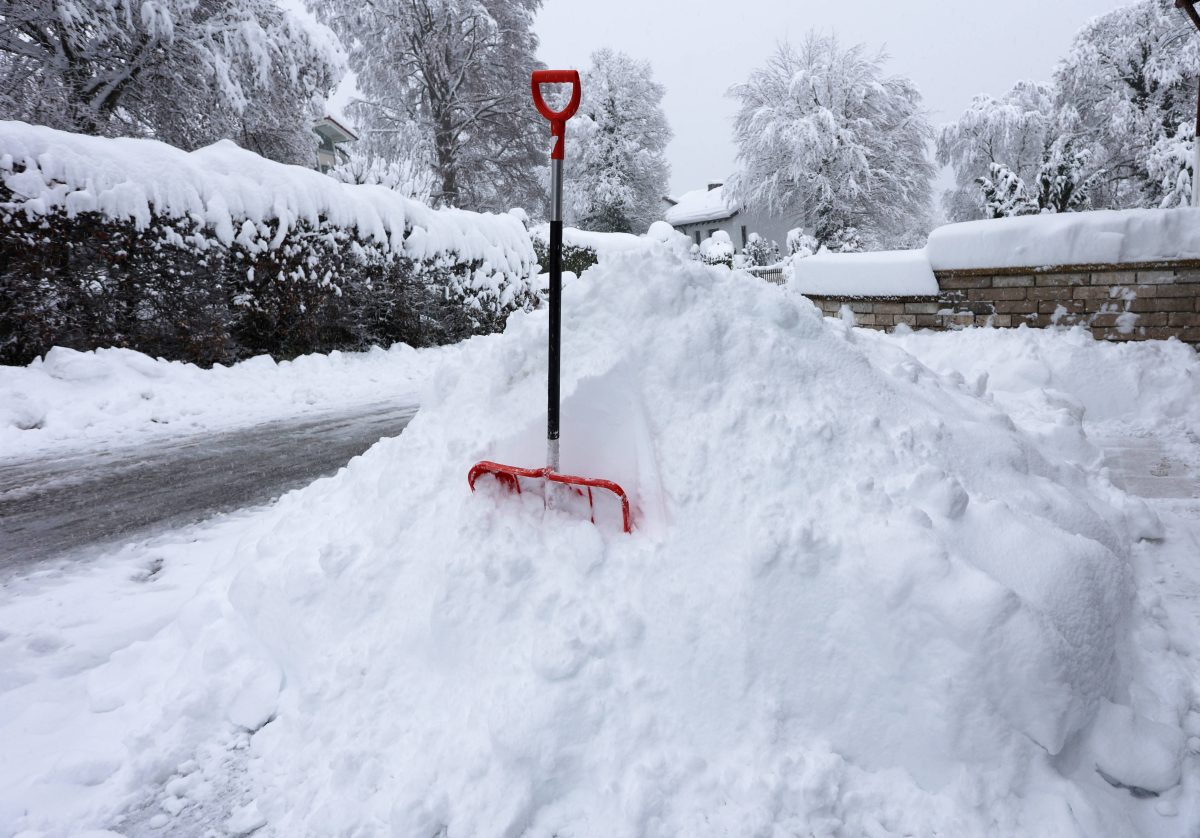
(879, 585)
(80, 502)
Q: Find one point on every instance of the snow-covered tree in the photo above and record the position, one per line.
(759, 252)
(1129, 81)
(1062, 184)
(828, 140)
(1170, 164)
(995, 144)
(1004, 193)
(617, 145)
(183, 71)
(447, 81)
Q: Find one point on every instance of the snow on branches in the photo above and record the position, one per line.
(825, 136)
(185, 72)
(445, 84)
(1112, 131)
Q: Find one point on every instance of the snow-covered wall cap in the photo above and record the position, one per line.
(224, 186)
(1103, 237)
(884, 273)
(700, 205)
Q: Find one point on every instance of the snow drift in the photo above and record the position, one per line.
(857, 598)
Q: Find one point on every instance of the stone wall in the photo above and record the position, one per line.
(1117, 302)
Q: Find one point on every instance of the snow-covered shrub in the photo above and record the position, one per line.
(759, 252)
(675, 241)
(799, 244)
(575, 258)
(218, 254)
(717, 249)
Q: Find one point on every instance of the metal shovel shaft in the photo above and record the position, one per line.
(552, 382)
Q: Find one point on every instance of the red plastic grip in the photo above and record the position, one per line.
(558, 119)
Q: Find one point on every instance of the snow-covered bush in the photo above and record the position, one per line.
(717, 249)
(679, 243)
(218, 254)
(800, 244)
(759, 252)
(575, 258)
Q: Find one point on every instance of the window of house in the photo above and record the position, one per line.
(697, 237)
(744, 240)
(710, 232)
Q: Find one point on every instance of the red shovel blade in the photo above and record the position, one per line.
(507, 477)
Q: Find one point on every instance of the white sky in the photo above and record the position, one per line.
(952, 49)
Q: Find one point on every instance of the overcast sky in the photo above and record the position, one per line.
(952, 49)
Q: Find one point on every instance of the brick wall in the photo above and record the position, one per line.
(1125, 302)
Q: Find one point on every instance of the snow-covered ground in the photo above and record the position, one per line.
(879, 585)
(117, 397)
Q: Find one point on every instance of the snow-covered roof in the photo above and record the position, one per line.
(700, 205)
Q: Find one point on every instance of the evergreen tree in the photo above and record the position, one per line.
(617, 142)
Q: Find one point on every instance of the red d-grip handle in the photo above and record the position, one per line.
(558, 119)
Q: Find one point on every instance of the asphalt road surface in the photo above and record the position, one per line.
(51, 507)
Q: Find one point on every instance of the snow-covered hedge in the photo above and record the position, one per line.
(219, 254)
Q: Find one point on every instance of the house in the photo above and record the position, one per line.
(332, 134)
(701, 212)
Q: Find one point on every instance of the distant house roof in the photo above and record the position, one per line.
(701, 205)
(335, 130)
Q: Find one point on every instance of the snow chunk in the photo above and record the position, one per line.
(1134, 751)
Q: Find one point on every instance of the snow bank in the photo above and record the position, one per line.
(857, 594)
(110, 397)
(223, 187)
(896, 272)
(1083, 238)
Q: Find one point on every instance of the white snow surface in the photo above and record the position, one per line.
(604, 244)
(1078, 238)
(700, 205)
(107, 397)
(225, 187)
(880, 273)
(862, 597)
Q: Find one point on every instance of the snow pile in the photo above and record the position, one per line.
(1081, 238)
(882, 273)
(115, 396)
(857, 599)
(231, 191)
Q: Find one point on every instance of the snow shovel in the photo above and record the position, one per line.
(509, 476)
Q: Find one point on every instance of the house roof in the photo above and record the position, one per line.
(700, 205)
(338, 128)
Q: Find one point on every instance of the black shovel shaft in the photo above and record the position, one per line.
(552, 394)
